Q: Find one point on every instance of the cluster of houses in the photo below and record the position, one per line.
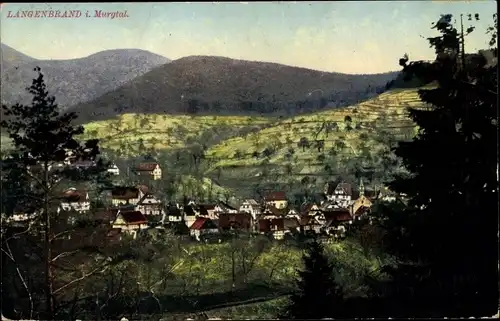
(151, 170)
(134, 210)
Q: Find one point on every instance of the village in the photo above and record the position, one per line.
(132, 211)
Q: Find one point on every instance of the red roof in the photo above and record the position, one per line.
(74, 196)
(275, 196)
(134, 217)
(125, 193)
(202, 223)
(240, 220)
(146, 167)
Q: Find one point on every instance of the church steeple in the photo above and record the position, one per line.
(361, 187)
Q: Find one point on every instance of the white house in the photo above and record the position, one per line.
(74, 200)
(121, 195)
(222, 207)
(149, 205)
(113, 169)
(130, 222)
(341, 194)
(149, 169)
(251, 206)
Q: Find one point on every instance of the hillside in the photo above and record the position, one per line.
(131, 134)
(11, 57)
(75, 80)
(207, 84)
(276, 155)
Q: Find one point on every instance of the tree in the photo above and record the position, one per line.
(237, 154)
(42, 138)
(268, 152)
(303, 143)
(348, 122)
(320, 145)
(318, 295)
(447, 187)
(193, 106)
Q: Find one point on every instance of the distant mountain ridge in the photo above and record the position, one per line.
(11, 57)
(210, 84)
(74, 81)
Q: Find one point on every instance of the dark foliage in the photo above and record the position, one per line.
(447, 235)
(33, 177)
(214, 85)
(318, 295)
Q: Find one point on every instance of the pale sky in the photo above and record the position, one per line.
(349, 37)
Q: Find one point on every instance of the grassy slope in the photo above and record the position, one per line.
(165, 131)
(209, 267)
(287, 133)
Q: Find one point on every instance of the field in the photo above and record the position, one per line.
(130, 134)
(203, 274)
(259, 150)
(386, 111)
(301, 146)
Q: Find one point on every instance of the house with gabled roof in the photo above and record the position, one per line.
(251, 206)
(124, 195)
(276, 199)
(341, 194)
(278, 227)
(238, 221)
(223, 207)
(151, 169)
(189, 214)
(310, 223)
(362, 205)
(335, 220)
(173, 213)
(271, 212)
(113, 169)
(130, 222)
(207, 210)
(202, 226)
(75, 200)
(149, 204)
(309, 209)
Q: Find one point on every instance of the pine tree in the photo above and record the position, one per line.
(31, 178)
(318, 295)
(448, 234)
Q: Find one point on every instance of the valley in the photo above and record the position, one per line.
(291, 161)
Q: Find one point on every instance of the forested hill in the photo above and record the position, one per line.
(208, 84)
(73, 81)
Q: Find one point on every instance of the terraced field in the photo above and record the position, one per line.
(132, 133)
(323, 133)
